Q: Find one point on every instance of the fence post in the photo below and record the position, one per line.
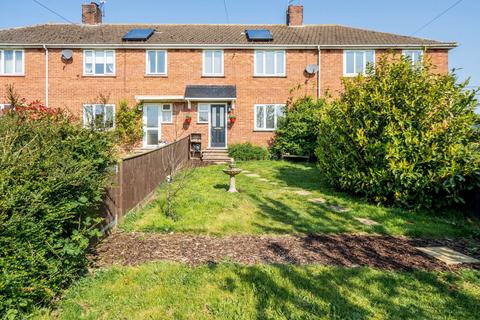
(120, 193)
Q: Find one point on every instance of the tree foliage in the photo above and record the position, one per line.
(128, 125)
(402, 135)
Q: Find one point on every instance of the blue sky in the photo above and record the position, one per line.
(460, 24)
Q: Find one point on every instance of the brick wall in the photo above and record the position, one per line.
(70, 89)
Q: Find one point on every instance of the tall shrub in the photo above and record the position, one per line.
(402, 135)
(298, 130)
(128, 125)
(52, 175)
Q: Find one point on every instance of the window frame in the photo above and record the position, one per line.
(162, 110)
(147, 69)
(85, 124)
(5, 106)
(275, 74)
(415, 51)
(2, 63)
(207, 105)
(93, 74)
(264, 105)
(355, 73)
(222, 73)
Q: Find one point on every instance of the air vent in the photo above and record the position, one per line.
(259, 35)
(138, 35)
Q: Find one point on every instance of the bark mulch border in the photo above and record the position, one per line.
(349, 250)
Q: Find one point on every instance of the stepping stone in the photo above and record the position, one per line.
(447, 255)
(339, 209)
(367, 222)
(303, 192)
(253, 175)
(246, 171)
(263, 179)
(274, 183)
(317, 200)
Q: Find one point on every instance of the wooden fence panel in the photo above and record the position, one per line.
(139, 175)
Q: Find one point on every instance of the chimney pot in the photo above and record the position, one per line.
(295, 16)
(91, 13)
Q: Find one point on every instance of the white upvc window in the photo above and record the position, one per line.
(99, 62)
(156, 62)
(415, 56)
(267, 115)
(4, 106)
(355, 62)
(167, 113)
(99, 116)
(270, 63)
(203, 112)
(213, 63)
(12, 62)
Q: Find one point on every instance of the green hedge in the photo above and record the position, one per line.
(402, 136)
(247, 151)
(52, 174)
(298, 130)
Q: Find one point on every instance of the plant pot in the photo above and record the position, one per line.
(188, 120)
(232, 120)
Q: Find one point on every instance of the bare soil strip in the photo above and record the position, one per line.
(350, 250)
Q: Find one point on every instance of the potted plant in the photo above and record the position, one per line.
(188, 119)
(232, 118)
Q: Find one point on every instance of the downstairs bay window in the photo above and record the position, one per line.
(267, 115)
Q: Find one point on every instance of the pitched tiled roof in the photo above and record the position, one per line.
(324, 35)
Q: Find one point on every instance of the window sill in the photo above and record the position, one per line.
(166, 122)
(156, 76)
(202, 122)
(213, 76)
(12, 75)
(260, 76)
(99, 76)
(264, 130)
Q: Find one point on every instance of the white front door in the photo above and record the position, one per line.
(152, 125)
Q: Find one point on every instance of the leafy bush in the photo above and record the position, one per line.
(298, 130)
(403, 136)
(52, 175)
(247, 151)
(128, 125)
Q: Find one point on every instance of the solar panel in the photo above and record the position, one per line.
(138, 35)
(259, 35)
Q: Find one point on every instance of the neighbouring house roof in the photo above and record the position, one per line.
(193, 92)
(79, 35)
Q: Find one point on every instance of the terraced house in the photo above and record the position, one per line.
(193, 78)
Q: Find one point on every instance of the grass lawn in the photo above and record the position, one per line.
(231, 291)
(263, 207)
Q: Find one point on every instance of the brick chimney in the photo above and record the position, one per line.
(91, 13)
(295, 16)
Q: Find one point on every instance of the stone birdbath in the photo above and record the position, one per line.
(232, 171)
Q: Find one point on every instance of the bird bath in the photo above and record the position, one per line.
(232, 171)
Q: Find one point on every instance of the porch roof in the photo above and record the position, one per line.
(210, 92)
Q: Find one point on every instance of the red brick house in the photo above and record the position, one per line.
(206, 72)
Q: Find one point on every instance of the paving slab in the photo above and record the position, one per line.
(303, 192)
(339, 209)
(367, 222)
(253, 175)
(447, 255)
(317, 200)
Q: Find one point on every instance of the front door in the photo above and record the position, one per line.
(151, 125)
(218, 128)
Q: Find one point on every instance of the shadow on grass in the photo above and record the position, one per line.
(286, 292)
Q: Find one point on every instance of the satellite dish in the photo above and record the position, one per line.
(67, 55)
(311, 69)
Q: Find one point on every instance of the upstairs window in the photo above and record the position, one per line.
(213, 63)
(415, 56)
(269, 63)
(356, 62)
(156, 62)
(11, 62)
(267, 115)
(99, 62)
(99, 116)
